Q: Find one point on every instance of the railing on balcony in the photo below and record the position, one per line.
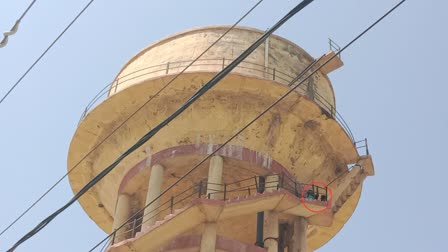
(362, 147)
(245, 187)
(334, 46)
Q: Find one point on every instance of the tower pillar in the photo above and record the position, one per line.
(215, 177)
(298, 240)
(122, 214)
(271, 233)
(208, 240)
(154, 188)
(271, 229)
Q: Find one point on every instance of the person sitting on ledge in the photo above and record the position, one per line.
(310, 194)
(323, 198)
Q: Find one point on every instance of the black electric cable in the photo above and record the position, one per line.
(342, 174)
(27, 9)
(15, 27)
(130, 116)
(152, 132)
(255, 119)
(45, 52)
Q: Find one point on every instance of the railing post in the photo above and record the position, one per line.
(273, 74)
(223, 62)
(84, 114)
(256, 183)
(295, 189)
(116, 84)
(367, 146)
(225, 190)
(281, 182)
(167, 68)
(172, 204)
(113, 237)
(200, 188)
(133, 228)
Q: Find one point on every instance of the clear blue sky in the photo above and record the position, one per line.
(392, 90)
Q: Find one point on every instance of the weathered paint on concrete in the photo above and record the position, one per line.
(298, 133)
(191, 243)
(215, 212)
(287, 58)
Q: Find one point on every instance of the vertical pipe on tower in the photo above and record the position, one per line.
(260, 215)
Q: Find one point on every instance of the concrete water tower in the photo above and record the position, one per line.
(251, 195)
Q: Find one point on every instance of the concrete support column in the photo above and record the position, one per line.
(154, 188)
(271, 233)
(272, 182)
(270, 225)
(298, 240)
(215, 177)
(208, 240)
(122, 213)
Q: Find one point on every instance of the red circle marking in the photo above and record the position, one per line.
(329, 199)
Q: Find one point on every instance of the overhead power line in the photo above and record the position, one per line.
(129, 117)
(45, 52)
(15, 27)
(152, 132)
(255, 119)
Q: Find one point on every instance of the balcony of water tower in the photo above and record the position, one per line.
(179, 218)
(322, 95)
(207, 201)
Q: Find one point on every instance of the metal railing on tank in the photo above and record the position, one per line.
(228, 191)
(362, 147)
(334, 46)
(249, 67)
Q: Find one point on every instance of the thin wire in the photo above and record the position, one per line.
(27, 9)
(105, 245)
(253, 120)
(342, 174)
(45, 52)
(130, 116)
(15, 27)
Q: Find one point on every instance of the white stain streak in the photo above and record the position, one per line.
(264, 160)
(149, 156)
(210, 144)
(198, 141)
(209, 148)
